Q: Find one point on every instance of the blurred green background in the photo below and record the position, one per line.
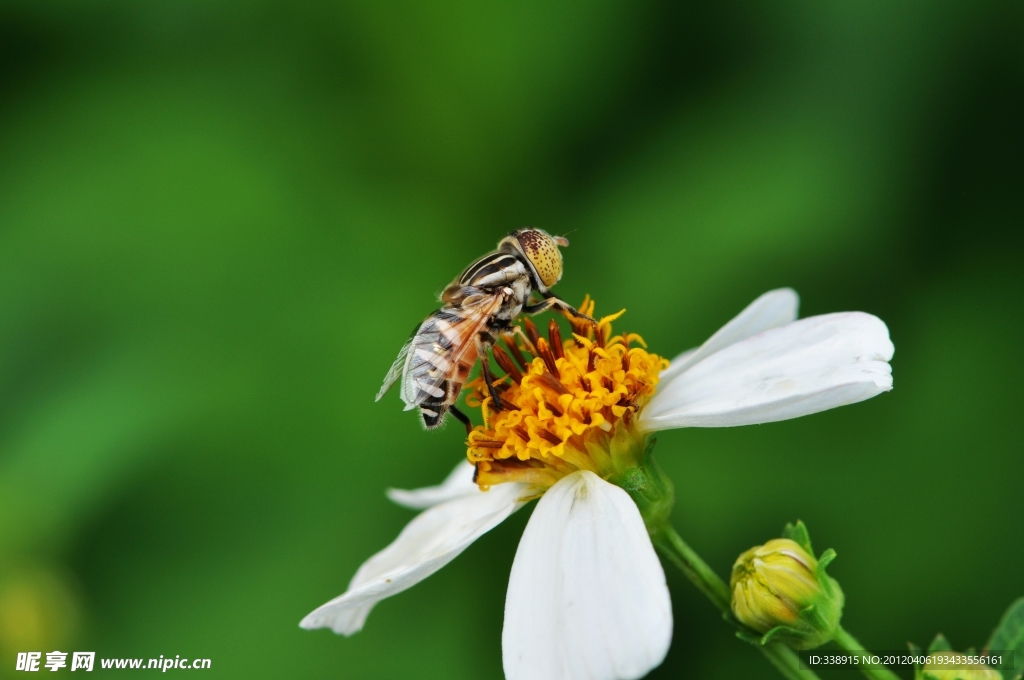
(220, 219)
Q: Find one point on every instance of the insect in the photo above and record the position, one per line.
(479, 305)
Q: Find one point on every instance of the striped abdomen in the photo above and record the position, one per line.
(440, 358)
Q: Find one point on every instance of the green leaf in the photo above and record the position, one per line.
(1009, 635)
(798, 532)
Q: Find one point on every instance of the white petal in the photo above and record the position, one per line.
(587, 597)
(773, 309)
(458, 483)
(679, 363)
(807, 366)
(431, 540)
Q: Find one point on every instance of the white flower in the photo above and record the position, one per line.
(587, 596)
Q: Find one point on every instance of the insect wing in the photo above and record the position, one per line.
(396, 369)
(446, 339)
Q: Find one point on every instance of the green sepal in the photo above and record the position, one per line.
(786, 634)
(825, 560)
(816, 617)
(1009, 635)
(940, 644)
(649, 448)
(821, 623)
(651, 489)
(830, 586)
(915, 651)
(798, 532)
(749, 637)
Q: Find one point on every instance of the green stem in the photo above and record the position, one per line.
(696, 569)
(786, 660)
(849, 643)
(707, 581)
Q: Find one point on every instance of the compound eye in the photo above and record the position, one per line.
(543, 252)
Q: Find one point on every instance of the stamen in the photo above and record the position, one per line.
(530, 347)
(556, 340)
(581, 326)
(544, 350)
(554, 409)
(510, 343)
(544, 434)
(531, 331)
(505, 362)
(553, 383)
(560, 414)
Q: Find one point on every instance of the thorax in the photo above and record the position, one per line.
(494, 274)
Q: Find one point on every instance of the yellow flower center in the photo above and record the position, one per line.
(566, 406)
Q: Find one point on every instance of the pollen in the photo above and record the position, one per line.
(567, 405)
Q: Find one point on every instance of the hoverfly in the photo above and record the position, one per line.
(478, 306)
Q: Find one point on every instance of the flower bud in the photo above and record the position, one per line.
(938, 671)
(780, 590)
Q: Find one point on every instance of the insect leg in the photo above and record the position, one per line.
(483, 345)
(517, 331)
(462, 418)
(499, 404)
(553, 302)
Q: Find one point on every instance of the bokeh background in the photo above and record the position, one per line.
(220, 219)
